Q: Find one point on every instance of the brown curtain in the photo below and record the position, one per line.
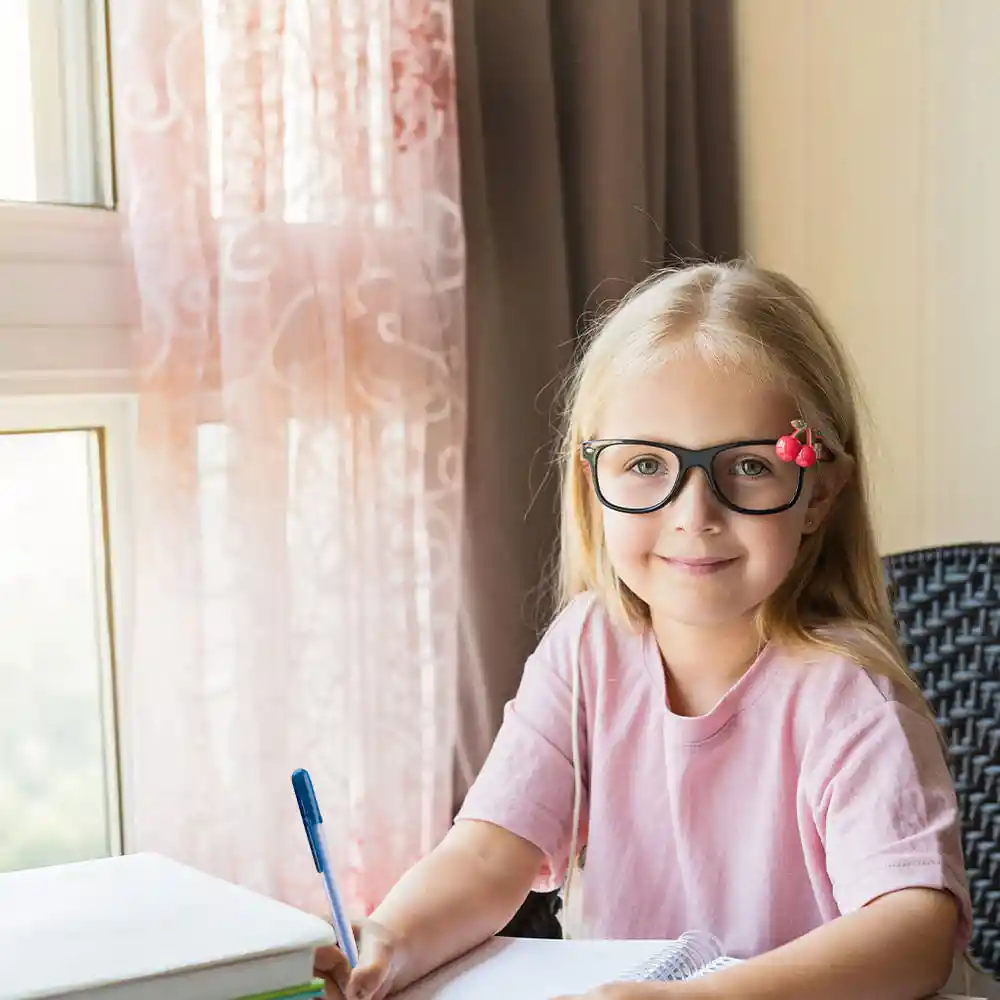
(597, 139)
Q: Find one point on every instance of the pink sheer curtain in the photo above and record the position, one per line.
(289, 175)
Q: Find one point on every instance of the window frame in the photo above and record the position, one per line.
(66, 320)
(115, 416)
(74, 154)
(76, 341)
(65, 309)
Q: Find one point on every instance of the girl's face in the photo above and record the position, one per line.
(695, 561)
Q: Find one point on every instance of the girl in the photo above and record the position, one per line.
(720, 712)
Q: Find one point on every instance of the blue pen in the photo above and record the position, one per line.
(312, 820)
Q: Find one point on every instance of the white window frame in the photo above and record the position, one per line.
(66, 321)
(72, 101)
(115, 415)
(64, 301)
(64, 279)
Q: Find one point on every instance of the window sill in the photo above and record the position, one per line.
(64, 311)
(59, 233)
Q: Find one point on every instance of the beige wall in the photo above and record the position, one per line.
(871, 148)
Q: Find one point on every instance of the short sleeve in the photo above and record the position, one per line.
(886, 810)
(526, 785)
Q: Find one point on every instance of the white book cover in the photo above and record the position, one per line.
(143, 927)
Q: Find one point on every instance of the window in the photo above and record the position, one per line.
(55, 113)
(63, 532)
(64, 459)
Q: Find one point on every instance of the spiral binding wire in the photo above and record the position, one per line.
(723, 962)
(694, 953)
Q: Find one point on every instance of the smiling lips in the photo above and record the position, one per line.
(699, 566)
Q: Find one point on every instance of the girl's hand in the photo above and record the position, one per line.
(379, 961)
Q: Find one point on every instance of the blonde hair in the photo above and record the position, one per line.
(835, 597)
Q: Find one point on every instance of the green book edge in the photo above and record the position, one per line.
(313, 989)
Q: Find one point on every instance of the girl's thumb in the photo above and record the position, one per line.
(374, 963)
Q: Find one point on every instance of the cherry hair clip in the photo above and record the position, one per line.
(804, 453)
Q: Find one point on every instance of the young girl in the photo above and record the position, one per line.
(720, 712)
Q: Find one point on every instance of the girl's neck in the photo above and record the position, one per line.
(703, 662)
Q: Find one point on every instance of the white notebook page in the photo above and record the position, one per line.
(530, 969)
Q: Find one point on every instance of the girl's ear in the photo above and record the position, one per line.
(830, 479)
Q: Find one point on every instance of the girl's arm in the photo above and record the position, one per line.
(457, 897)
(899, 947)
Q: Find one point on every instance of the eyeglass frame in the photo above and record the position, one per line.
(689, 458)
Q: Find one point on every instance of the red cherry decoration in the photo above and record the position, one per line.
(806, 456)
(789, 448)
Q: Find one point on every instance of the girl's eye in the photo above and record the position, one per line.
(646, 466)
(754, 468)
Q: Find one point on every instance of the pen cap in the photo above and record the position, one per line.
(305, 795)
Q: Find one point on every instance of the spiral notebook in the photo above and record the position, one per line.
(533, 969)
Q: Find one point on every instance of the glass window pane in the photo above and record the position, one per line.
(58, 784)
(55, 120)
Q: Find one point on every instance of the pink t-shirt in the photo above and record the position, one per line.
(810, 789)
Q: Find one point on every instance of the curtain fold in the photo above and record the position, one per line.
(597, 141)
(289, 177)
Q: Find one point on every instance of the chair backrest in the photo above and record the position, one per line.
(947, 605)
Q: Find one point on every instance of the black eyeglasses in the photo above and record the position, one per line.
(638, 477)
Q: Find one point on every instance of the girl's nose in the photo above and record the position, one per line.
(695, 510)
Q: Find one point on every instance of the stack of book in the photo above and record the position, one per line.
(142, 927)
